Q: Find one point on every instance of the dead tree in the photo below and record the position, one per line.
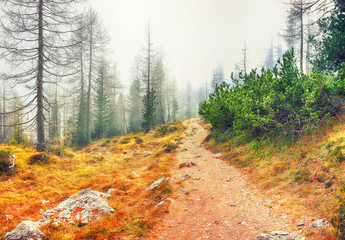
(35, 41)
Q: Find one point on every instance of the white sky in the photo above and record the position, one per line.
(195, 35)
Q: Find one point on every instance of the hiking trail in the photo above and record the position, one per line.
(216, 201)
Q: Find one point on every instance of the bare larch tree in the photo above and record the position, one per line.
(35, 41)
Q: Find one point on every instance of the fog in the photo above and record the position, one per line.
(195, 35)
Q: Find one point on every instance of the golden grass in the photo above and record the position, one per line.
(109, 163)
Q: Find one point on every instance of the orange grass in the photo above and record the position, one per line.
(109, 163)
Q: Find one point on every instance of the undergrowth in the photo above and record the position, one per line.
(119, 163)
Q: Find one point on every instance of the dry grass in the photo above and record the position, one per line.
(306, 175)
(109, 163)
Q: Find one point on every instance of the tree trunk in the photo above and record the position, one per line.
(301, 51)
(4, 133)
(40, 115)
(88, 101)
(148, 125)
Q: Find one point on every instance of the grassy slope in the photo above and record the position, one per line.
(305, 176)
(108, 163)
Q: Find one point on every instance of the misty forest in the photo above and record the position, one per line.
(70, 121)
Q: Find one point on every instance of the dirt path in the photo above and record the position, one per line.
(220, 203)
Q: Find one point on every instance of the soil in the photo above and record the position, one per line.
(220, 204)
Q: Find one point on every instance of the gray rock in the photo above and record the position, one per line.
(300, 224)
(185, 177)
(25, 230)
(276, 235)
(157, 183)
(217, 155)
(186, 192)
(186, 164)
(81, 207)
(111, 190)
(320, 223)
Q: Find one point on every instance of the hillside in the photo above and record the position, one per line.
(128, 165)
(250, 189)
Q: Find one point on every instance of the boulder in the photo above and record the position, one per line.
(320, 223)
(157, 183)
(25, 230)
(80, 208)
(217, 155)
(276, 235)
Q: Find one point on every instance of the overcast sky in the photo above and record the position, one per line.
(195, 35)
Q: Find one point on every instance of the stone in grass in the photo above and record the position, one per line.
(300, 224)
(217, 155)
(186, 164)
(157, 183)
(80, 208)
(276, 235)
(186, 192)
(320, 223)
(25, 230)
(185, 177)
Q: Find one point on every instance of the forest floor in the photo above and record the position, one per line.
(217, 201)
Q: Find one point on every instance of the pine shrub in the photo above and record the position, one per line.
(281, 100)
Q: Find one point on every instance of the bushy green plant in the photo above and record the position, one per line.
(138, 140)
(4, 154)
(281, 100)
(164, 130)
(19, 137)
(302, 175)
(4, 166)
(170, 147)
(337, 154)
(41, 158)
(5, 162)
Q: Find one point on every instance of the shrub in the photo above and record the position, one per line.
(4, 154)
(302, 175)
(170, 147)
(138, 140)
(58, 151)
(281, 100)
(4, 166)
(5, 162)
(125, 140)
(164, 130)
(41, 158)
(338, 155)
(19, 137)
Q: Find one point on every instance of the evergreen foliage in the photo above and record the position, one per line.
(80, 137)
(19, 137)
(281, 100)
(331, 46)
(175, 109)
(54, 123)
(102, 107)
(135, 106)
(149, 109)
